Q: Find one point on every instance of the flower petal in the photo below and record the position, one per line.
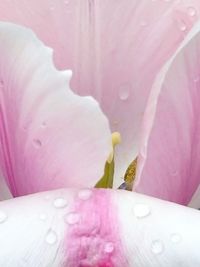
(169, 164)
(50, 137)
(97, 228)
(112, 48)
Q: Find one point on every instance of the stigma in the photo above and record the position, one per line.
(116, 140)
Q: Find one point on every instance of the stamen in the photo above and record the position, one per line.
(131, 172)
(129, 176)
(116, 140)
(107, 180)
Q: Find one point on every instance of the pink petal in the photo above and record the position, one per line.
(97, 228)
(50, 137)
(115, 49)
(169, 163)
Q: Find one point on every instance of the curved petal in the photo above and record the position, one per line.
(97, 228)
(112, 48)
(48, 134)
(170, 150)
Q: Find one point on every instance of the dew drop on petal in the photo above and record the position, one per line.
(84, 194)
(60, 203)
(47, 197)
(3, 217)
(143, 23)
(124, 92)
(43, 216)
(196, 79)
(191, 11)
(109, 247)
(182, 26)
(37, 143)
(141, 210)
(72, 218)
(44, 124)
(52, 8)
(175, 238)
(51, 237)
(157, 247)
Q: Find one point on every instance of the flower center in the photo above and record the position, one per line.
(107, 180)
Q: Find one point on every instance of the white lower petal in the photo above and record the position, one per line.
(55, 228)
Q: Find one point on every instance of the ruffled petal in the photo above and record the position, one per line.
(169, 158)
(115, 49)
(50, 137)
(97, 228)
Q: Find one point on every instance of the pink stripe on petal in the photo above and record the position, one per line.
(93, 232)
(145, 231)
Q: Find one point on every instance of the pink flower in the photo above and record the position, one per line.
(139, 61)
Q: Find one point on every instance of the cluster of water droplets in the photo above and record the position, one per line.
(141, 211)
(70, 218)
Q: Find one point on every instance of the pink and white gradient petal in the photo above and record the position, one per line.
(115, 49)
(144, 231)
(169, 158)
(45, 129)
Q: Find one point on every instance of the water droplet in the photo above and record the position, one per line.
(157, 247)
(196, 79)
(51, 237)
(44, 124)
(191, 11)
(174, 173)
(175, 238)
(3, 216)
(37, 143)
(72, 218)
(124, 92)
(47, 197)
(84, 194)
(52, 8)
(143, 23)
(109, 247)
(115, 123)
(141, 210)
(60, 203)
(43, 216)
(182, 26)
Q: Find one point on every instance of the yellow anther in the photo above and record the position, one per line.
(130, 174)
(116, 139)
